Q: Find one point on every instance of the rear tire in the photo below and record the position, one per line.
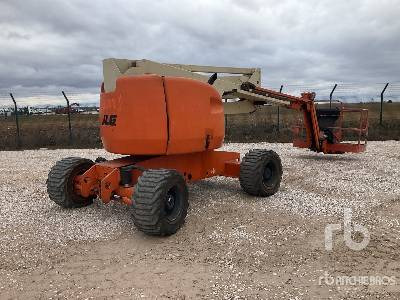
(260, 172)
(160, 202)
(60, 182)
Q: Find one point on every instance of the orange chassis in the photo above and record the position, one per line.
(115, 179)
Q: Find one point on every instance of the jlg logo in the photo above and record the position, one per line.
(110, 120)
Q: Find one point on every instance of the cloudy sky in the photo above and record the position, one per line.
(50, 43)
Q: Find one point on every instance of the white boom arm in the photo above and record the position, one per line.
(230, 80)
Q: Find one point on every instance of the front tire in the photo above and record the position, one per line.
(260, 172)
(160, 202)
(60, 182)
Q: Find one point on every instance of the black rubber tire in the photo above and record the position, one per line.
(150, 211)
(60, 186)
(253, 169)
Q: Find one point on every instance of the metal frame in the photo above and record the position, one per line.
(103, 179)
(340, 146)
(315, 139)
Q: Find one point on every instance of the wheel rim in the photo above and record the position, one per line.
(269, 178)
(169, 206)
(173, 201)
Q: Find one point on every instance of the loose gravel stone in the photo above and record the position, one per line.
(314, 186)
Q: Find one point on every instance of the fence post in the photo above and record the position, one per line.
(381, 112)
(331, 94)
(226, 120)
(277, 121)
(69, 117)
(16, 120)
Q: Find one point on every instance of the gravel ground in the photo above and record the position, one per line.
(232, 245)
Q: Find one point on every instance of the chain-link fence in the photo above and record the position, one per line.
(32, 118)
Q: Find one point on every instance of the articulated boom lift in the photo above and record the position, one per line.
(169, 125)
(322, 128)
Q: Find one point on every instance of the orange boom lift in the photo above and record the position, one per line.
(169, 129)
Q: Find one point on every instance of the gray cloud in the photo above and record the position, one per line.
(61, 43)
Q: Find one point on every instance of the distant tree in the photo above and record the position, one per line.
(390, 101)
